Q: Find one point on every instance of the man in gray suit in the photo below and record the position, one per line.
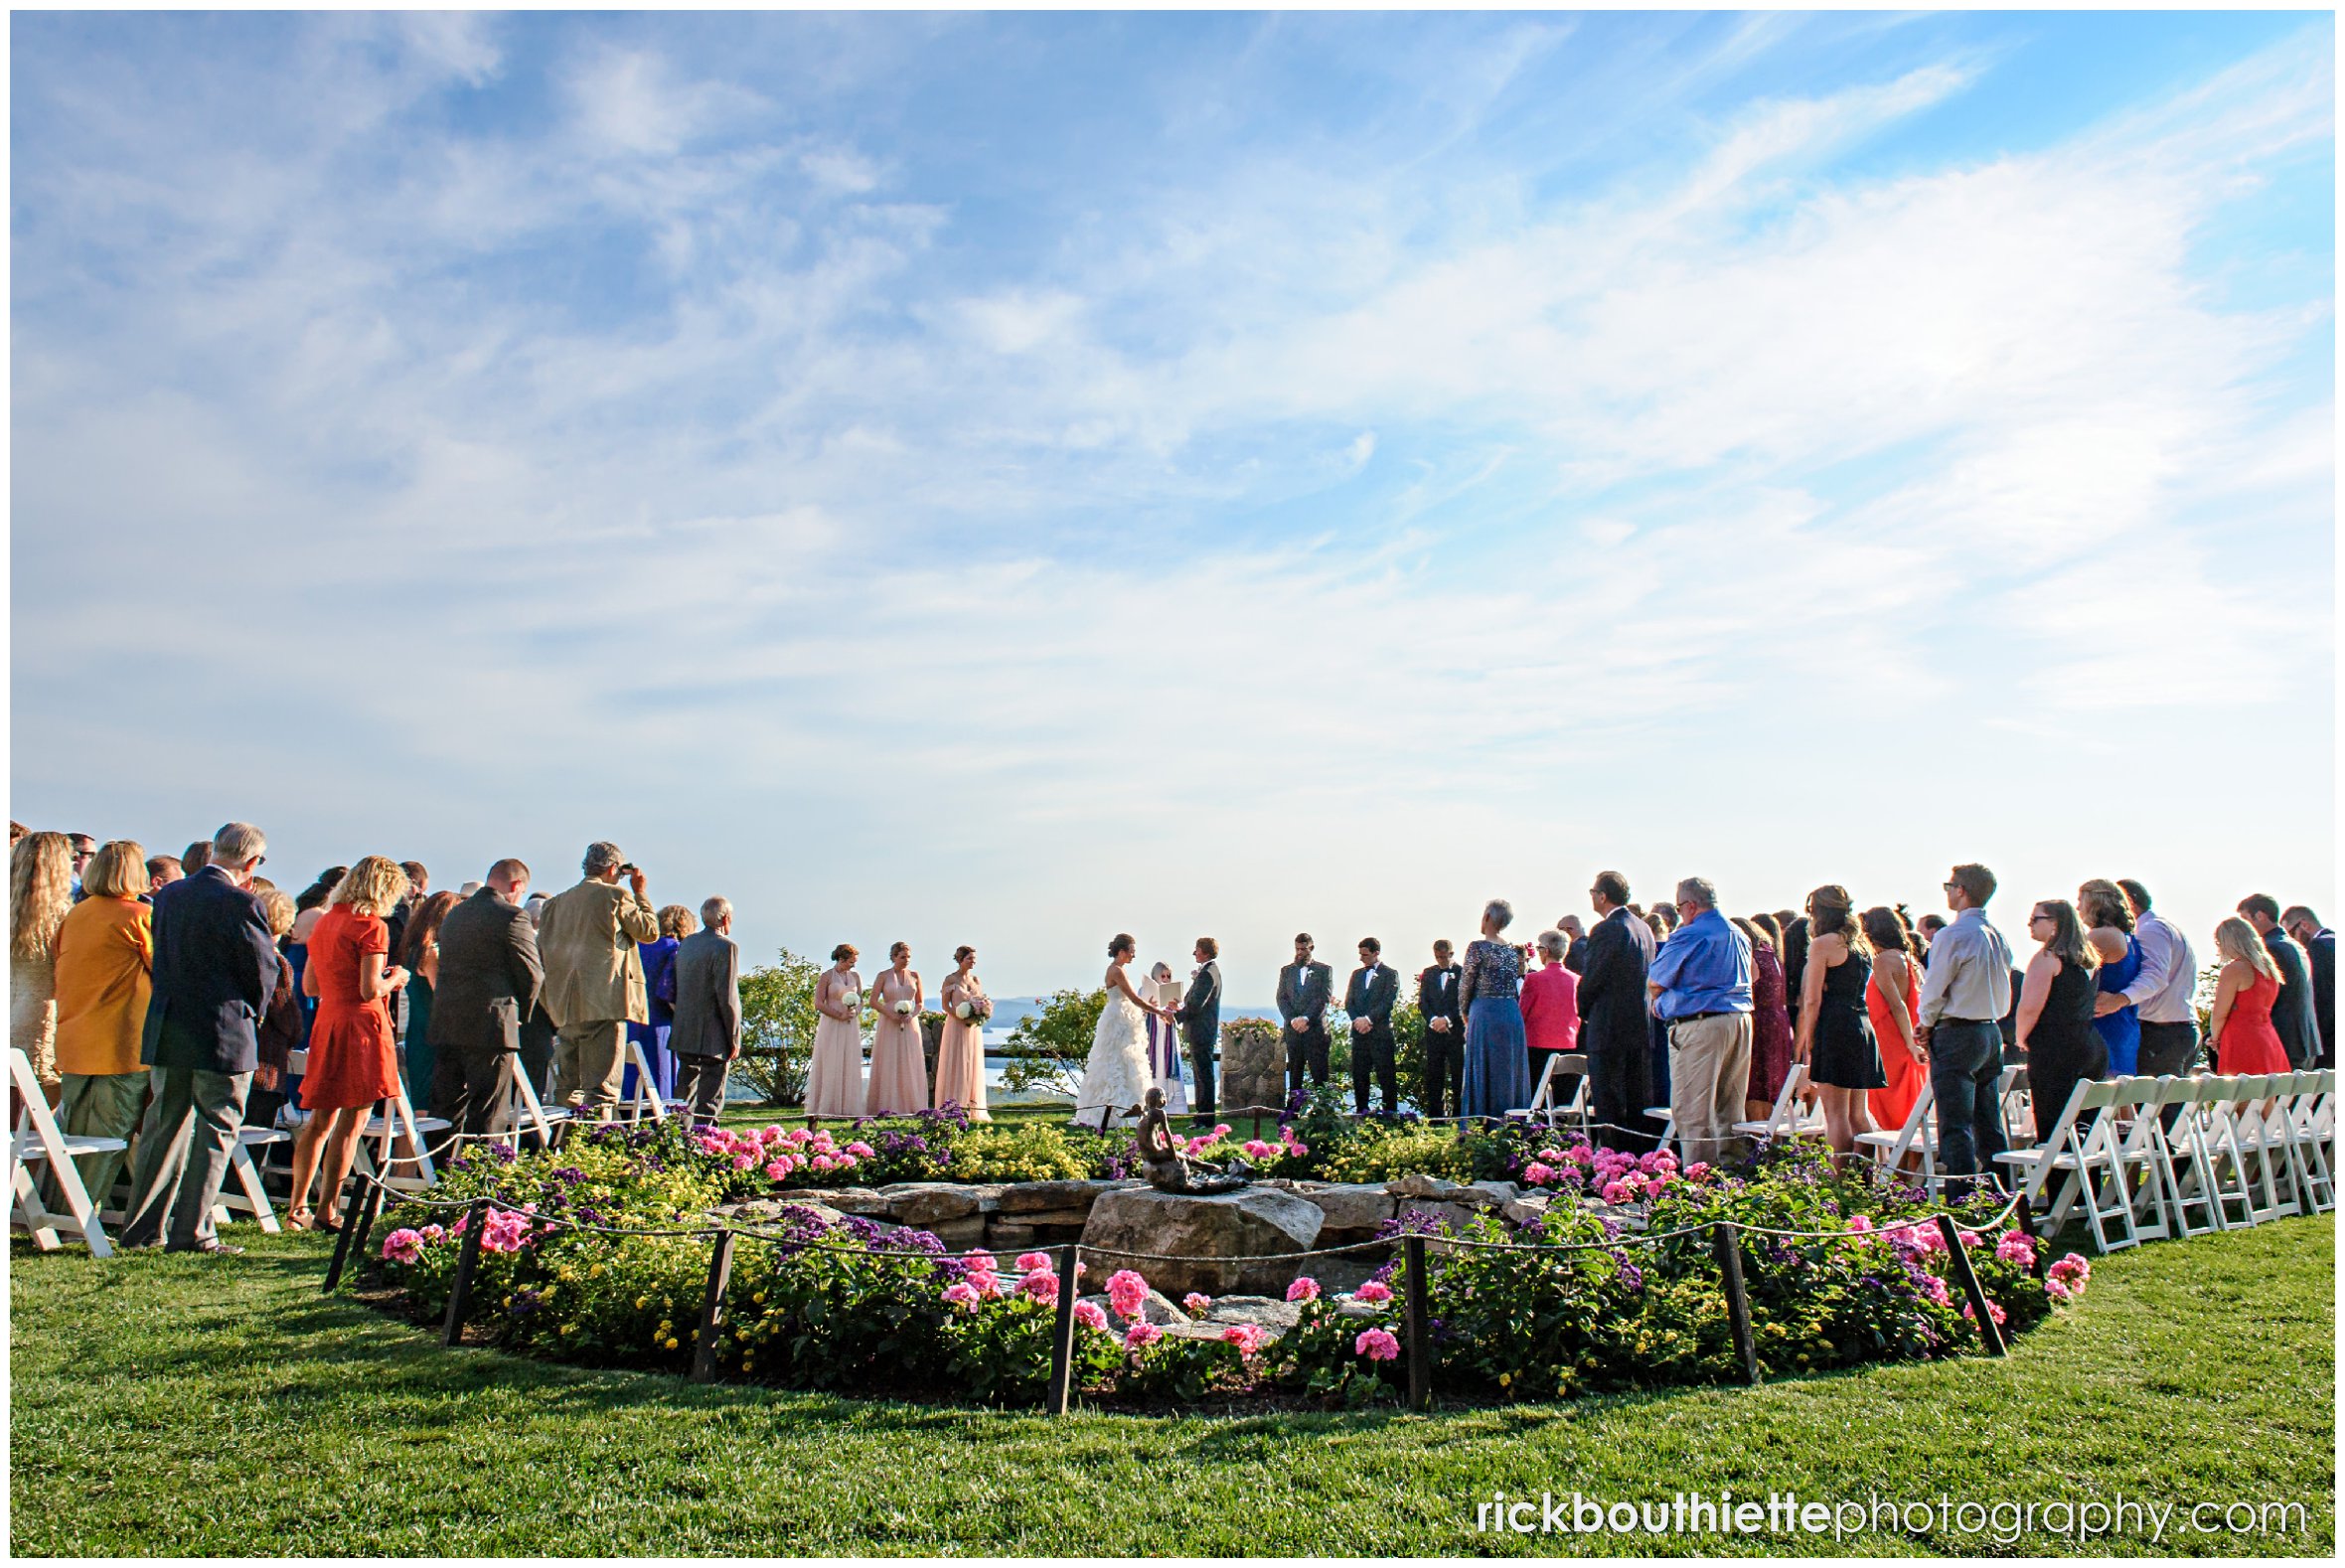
(706, 1035)
(488, 977)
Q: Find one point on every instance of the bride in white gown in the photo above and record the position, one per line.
(1116, 1076)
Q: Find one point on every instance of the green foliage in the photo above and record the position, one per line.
(779, 1019)
(1047, 1048)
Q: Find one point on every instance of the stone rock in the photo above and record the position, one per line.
(1261, 1310)
(1348, 1273)
(1189, 1328)
(857, 1200)
(1007, 1236)
(1348, 1206)
(1419, 1184)
(768, 1210)
(1253, 1067)
(925, 1204)
(1034, 1197)
(1529, 1207)
(1074, 1217)
(1363, 1308)
(958, 1235)
(1488, 1194)
(1228, 1241)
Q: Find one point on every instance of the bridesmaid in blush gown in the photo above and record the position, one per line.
(2245, 1039)
(961, 1054)
(900, 1069)
(834, 1078)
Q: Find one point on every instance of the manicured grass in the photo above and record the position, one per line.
(165, 1405)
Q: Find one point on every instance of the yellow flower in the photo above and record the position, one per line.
(568, 1328)
(741, 1334)
(1506, 1378)
(672, 1344)
(641, 1302)
(759, 1298)
(594, 1273)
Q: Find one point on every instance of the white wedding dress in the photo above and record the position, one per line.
(1116, 1075)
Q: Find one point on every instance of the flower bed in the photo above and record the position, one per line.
(1617, 1313)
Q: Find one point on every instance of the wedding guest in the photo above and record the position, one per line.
(214, 968)
(1367, 1005)
(1796, 937)
(1551, 1015)
(659, 988)
(196, 856)
(1701, 987)
(1304, 988)
(1444, 1091)
(1965, 991)
(163, 870)
(1575, 957)
(706, 1031)
(1893, 1000)
(1163, 1039)
(1926, 928)
(2292, 1013)
(961, 1052)
(2163, 996)
(489, 976)
(2243, 1028)
(1489, 987)
(1613, 1031)
(84, 851)
(2109, 922)
(105, 956)
(835, 1074)
(899, 1069)
(2056, 1013)
(353, 1056)
(283, 1025)
(1775, 933)
(594, 989)
(39, 896)
(1200, 1023)
(2320, 951)
(419, 955)
(1837, 1038)
(1666, 916)
(1771, 1022)
(418, 890)
(16, 831)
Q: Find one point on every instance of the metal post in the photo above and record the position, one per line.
(1062, 1337)
(1738, 1299)
(2039, 1256)
(342, 1246)
(1967, 1277)
(467, 1260)
(369, 1210)
(713, 1309)
(1413, 1311)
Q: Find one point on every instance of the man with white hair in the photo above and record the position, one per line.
(706, 1035)
(215, 970)
(594, 985)
(1701, 987)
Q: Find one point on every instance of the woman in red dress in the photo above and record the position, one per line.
(1771, 1022)
(1893, 1000)
(353, 1054)
(2240, 1030)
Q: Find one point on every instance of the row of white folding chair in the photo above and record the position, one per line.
(1543, 1105)
(2273, 1123)
(38, 1140)
(1915, 1141)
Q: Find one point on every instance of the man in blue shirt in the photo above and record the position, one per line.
(1701, 986)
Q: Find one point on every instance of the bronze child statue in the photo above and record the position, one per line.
(1167, 1165)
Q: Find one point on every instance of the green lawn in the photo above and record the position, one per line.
(173, 1406)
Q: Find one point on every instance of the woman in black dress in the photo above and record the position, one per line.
(1835, 1036)
(2056, 1013)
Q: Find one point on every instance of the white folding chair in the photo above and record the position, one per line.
(38, 1140)
(1544, 1092)
(2083, 1151)
(250, 1197)
(518, 1109)
(2015, 1093)
(1788, 1118)
(2137, 1147)
(2177, 1151)
(2265, 1136)
(2312, 1121)
(385, 1131)
(2224, 1161)
(645, 1100)
(1917, 1139)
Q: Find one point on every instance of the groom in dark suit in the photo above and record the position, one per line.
(1304, 988)
(1200, 1016)
(1367, 1001)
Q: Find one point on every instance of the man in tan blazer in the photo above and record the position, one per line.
(594, 976)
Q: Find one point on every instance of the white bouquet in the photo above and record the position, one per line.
(974, 1009)
(904, 1008)
(851, 998)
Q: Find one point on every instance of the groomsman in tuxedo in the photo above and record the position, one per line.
(1445, 1036)
(1614, 1026)
(1367, 1001)
(1200, 1016)
(1304, 988)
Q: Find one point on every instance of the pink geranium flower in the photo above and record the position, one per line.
(1373, 1292)
(1029, 1262)
(402, 1246)
(2017, 1246)
(1538, 1174)
(1142, 1334)
(1090, 1317)
(1256, 1148)
(1042, 1286)
(1377, 1344)
(1127, 1292)
(1196, 1303)
(1305, 1289)
(1248, 1338)
(963, 1295)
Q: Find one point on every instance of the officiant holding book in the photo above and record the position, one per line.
(1200, 1016)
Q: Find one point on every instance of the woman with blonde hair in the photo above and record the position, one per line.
(353, 1054)
(40, 895)
(1835, 1040)
(106, 959)
(2240, 1030)
(2056, 1013)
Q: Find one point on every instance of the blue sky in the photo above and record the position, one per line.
(1008, 479)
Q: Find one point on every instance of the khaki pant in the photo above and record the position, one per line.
(98, 1105)
(587, 1058)
(1709, 1068)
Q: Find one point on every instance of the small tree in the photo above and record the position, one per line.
(1048, 1048)
(778, 1020)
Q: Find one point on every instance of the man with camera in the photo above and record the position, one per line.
(594, 977)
